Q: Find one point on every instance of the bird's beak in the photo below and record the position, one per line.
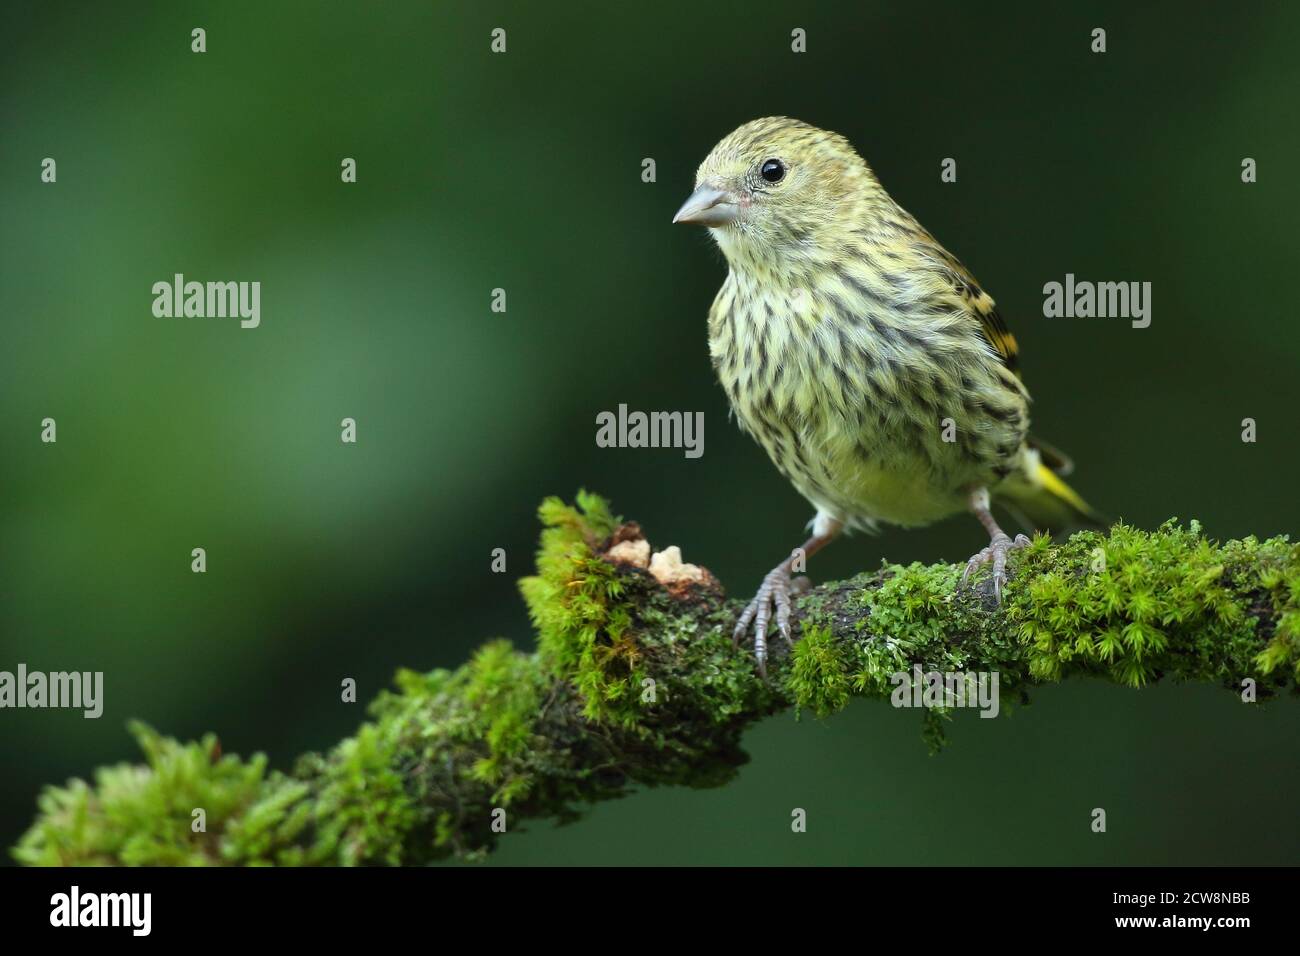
(708, 206)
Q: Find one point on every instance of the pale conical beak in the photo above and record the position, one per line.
(708, 206)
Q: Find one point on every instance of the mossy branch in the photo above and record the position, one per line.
(635, 681)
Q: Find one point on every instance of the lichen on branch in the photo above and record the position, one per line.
(634, 681)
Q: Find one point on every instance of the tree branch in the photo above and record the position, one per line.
(635, 681)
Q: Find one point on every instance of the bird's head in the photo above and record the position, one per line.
(777, 188)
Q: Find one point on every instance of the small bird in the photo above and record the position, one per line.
(863, 356)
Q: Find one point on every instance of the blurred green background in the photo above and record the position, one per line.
(522, 171)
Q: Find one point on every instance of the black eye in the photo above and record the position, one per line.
(773, 170)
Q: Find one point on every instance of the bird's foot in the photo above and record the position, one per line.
(775, 592)
(999, 547)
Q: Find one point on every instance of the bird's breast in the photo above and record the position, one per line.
(851, 408)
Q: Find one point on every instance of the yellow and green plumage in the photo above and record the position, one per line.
(862, 355)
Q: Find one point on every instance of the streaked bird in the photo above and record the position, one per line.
(863, 356)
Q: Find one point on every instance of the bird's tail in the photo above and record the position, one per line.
(1040, 500)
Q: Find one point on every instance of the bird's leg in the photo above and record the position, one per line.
(999, 543)
(775, 592)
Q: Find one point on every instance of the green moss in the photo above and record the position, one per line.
(270, 831)
(819, 673)
(363, 811)
(933, 732)
(1130, 606)
(1135, 605)
(633, 684)
(362, 803)
(575, 602)
(485, 712)
(704, 664)
(143, 815)
(902, 616)
(900, 623)
(503, 691)
(1280, 582)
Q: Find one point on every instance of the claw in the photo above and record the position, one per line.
(777, 590)
(773, 592)
(742, 625)
(996, 552)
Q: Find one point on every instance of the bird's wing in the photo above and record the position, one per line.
(991, 324)
(994, 329)
(975, 301)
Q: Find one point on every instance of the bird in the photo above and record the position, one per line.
(866, 360)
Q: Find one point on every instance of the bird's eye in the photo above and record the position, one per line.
(773, 170)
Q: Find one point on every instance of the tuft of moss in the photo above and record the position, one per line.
(144, 815)
(503, 692)
(1280, 582)
(1134, 605)
(368, 801)
(486, 711)
(363, 812)
(819, 675)
(271, 831)
(584, 628)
